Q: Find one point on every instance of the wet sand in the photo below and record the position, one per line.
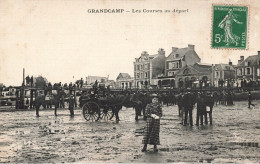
(233, 137)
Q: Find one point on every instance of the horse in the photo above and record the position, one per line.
(48, 100)
(140, 102)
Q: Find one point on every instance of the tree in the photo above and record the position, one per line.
(41, 81)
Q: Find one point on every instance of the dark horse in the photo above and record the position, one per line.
(116, 102)
(48, 101)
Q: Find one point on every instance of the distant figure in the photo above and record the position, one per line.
(71, 105)
(27, 102)
(81, 83)
(152, 129)
(250, 100)
(180, 107)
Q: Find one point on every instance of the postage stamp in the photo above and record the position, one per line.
(229, 27)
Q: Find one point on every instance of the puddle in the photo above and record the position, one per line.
(249, 144)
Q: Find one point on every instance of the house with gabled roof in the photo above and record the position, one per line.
(224, 75)
(124, 81)
(178, 59)
(147, 69)
(248, 70)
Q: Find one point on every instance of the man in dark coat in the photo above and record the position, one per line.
(250, 100)
(201, 109)
(71, 105)
(187, 103)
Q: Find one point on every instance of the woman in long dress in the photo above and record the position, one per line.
(151, 133)
(226, 24)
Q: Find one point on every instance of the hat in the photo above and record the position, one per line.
(154, 95)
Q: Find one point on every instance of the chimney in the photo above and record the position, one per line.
(229, 62)
(258, 53)
(174, 49)
(241, 58)
(191, 46)
(161, 51)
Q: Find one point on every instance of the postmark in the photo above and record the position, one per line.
(229, 27)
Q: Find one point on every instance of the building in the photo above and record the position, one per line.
(124, 81)
(194, 76)
(224, 75)
(147, 69)
(248, 70)
(111, 84)
(93, 79)
(178, 59)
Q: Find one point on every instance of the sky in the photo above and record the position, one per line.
(60, 39)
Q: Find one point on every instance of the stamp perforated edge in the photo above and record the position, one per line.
(248, 26)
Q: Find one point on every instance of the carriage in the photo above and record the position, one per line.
(94, 109)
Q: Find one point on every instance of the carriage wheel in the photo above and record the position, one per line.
(107, 113)
(91, 111)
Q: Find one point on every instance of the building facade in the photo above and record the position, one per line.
(177, 59)
(124, 81)
(194, 76)
(147, 68)
(224, 75)
(248, 70)
(99, 79)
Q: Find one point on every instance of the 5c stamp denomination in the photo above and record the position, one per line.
(229, 27)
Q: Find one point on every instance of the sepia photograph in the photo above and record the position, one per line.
(133, 81)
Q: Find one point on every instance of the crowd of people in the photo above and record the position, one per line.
(150, 104)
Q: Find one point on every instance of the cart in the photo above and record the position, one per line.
(94, 109)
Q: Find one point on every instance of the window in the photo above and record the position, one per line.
(146, 66)
(141, 75)
(177, 65)
(248, 63)
(177, 55)
(170, 65)
(137, 75)
(240, 72)
(138, 67)
(258, 71)
(145, 75)
(248, 71)
(170, 73)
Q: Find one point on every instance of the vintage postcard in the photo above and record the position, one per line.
(133, 81)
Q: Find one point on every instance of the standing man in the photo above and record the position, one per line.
(250, 100)
(201, 109)
(71, 105)
(152, 129)
(180, 108)
(187, 103)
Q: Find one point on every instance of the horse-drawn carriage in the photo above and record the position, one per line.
(94, 109)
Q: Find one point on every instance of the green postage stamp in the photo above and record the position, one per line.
(229, 27)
